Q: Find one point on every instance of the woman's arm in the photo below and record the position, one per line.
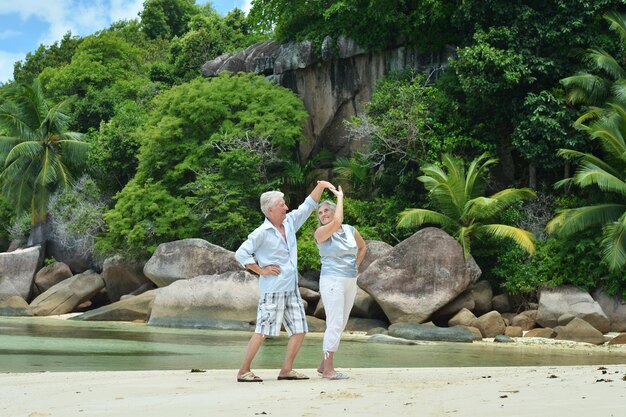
(324, 232)
(362, 248)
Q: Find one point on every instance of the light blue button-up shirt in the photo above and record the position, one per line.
(267, 245)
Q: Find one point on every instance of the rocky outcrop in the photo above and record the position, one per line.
(490, 324)
(614, 307)
(419, 276)
(578, 330)
(335, 84)
(567, 299)
(68, 294)
(17, 271)
(49, 276)
(226, 301)
(122, 277)
(188, 258)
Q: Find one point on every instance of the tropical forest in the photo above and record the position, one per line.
(515, 145)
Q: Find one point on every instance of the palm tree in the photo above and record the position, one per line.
(463, 211)
(596, 90)
(609, 175)
(37, 152)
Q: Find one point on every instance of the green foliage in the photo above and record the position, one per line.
(373, 24)
(462, 210)
(558, 262)
(192, 121)
(39, 153)
(166, 18)
(49, 261)
(56, 55)
(227, 201)
(7, 216)
(308, 254)
(114, 147)
(144, 216)
(203, 161)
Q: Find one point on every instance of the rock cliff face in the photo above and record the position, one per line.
(334, 85)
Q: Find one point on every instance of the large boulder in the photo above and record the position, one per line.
(614, 307)
(188, 258)
(122, 276)
(51, 275)
(17, 271)
(567, 299)
(78, 261)
(68, 294)
(578, 330)
(133, 308)
(225, 301)
(375, 250)
(490, 324)
(419, 276)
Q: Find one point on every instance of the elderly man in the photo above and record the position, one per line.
(271, 252)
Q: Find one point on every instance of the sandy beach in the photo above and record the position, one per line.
(596, 391)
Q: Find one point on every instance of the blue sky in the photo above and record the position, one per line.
(25, 24)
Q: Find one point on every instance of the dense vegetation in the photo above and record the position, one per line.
(536, 85)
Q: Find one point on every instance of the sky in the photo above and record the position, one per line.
(25, 24)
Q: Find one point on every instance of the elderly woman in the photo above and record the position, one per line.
(342, 249)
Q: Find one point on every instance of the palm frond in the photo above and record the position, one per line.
(617, 23)
(585, 88)
(412, 218)
(523, 238)
(589, 174)
(604, 61)
(614, 243)
(484, 208)
(570, 221)
(583, 157)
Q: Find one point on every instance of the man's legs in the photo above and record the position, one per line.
(254, 344)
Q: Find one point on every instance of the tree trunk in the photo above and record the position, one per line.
(532, 176)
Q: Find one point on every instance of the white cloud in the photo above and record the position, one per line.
(247, 5)
(7, 59)
(8, 34)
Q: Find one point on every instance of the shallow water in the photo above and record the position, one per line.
(47, 344)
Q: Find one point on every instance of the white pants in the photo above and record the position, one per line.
(338, 296)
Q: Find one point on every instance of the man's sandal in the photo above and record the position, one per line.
(249, 377)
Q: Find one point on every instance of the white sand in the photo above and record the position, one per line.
(472, 392)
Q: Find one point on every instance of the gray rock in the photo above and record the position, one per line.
(77, 261)
(188, 258)
(513, 331)
(377, 330)
(503, 339)
(553, 303)
(133, 308)
(419, 276)
(390, 340)
(482, 295)
(17, 271)
(415, 331)
(122, 276)
(207, 301)
(375, 250)
(464, 301)
(357, 324)
(614, 307)
(316, 325)
(68, 294)
(501, 303)
(14, 306)
(366, 307)
(49, 276)
(578, 330)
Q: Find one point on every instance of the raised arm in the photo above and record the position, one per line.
(324, 232)
(316, 194)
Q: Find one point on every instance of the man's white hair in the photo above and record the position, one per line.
(268, 199)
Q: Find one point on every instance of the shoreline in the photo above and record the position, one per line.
(469, 392)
